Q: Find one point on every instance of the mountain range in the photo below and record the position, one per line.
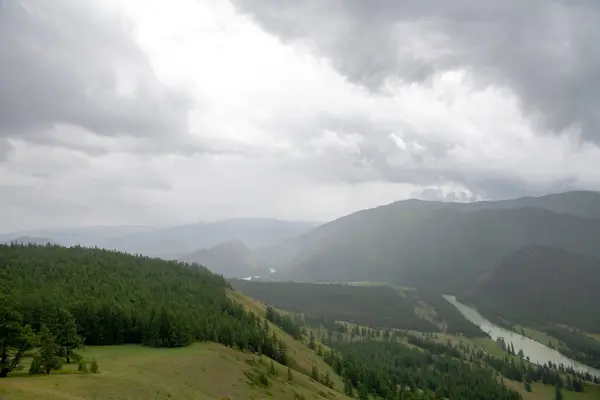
(435, 245)
(440, 246)
(174, 241)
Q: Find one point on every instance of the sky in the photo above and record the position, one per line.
(155, 112)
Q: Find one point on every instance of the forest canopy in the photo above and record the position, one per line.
(116, 298)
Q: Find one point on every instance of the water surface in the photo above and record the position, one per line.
(537, 352)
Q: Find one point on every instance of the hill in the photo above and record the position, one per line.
(116, 298)
(584, 204)
(231, 259)
(533, 282)
(376, 306)
(30, 240)
(132, 306)
(439, 246)
(177, 241)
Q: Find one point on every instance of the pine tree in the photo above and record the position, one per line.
(348, 390)
(327, 380)
(290, 378)
(16, 339)
(311, 341)
(315, 373)
(49, 350)
(94, 368)
(64, 327)
(557, 393)
(272, 370)
(527, 386)
(35, 367)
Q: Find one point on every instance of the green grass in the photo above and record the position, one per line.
(303, 357)
(202, 371)
(546, 392)
(538, 336)
(595, 336)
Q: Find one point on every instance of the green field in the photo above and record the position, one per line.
(546, 392)
(538, 336)
(202, 371)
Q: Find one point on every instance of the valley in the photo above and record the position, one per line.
(503, 293)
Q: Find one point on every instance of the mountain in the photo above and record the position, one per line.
(30, 240)
(177, 241)
(584, 204)
(232, 259)
(544, 284)
(436, 245)
(89, 236)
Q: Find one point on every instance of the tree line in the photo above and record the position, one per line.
(373, 306)
(108, 297)
(392, 370)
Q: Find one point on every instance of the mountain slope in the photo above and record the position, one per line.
(115, 298)
(30, 240)
(584, 204)
(175, 241)
(441, 246)
(231, 259)
(543, 284)
(205, 371)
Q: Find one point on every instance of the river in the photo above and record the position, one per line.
(536, 351)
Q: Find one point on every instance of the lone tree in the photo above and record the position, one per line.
(94, 368)
(63, 325)
(557, 393)
(49, 359)
(16, 339)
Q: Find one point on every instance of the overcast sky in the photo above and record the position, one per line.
(158, 112)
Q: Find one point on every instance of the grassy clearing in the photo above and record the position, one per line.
(538, 336)
(202, 371)
(546, 392)
(595, 336)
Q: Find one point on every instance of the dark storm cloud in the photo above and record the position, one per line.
(545, 50)
(74, 63)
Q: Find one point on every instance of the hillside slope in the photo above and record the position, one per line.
(205, 371)
(440, 246)
(542, 283)
(122, 302)
(232, 259)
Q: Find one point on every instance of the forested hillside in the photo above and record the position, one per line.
(115, 298)
(554, 290)
(375, 306)
(539, 279)
(440, 246)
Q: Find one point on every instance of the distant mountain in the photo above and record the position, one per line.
(231, 259)
(543, 284)
(30, 240)
(436, 245)
(177, 241)
(84, 236)
(579, 203)
(181, 240)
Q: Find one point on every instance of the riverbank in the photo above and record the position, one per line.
(535, 351)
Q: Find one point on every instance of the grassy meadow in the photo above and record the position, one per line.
(202, 371)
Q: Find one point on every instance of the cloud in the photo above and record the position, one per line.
(546, 51)
(271, 121)
(76, 63)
